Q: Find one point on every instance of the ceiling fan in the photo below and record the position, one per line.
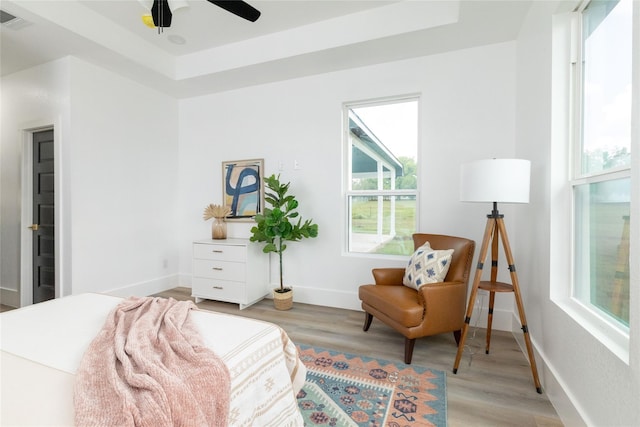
(162, 10)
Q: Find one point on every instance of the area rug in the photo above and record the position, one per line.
(349, 390)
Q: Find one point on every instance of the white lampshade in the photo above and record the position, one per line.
(495, 180)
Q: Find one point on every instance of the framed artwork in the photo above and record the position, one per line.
(242, 188)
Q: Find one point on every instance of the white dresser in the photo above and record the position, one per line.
(232, 270)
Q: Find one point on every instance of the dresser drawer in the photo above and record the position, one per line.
(220, 290)
(231, 270)
(223, 270)
(220, 252)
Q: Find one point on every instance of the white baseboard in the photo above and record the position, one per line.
(350, 301)
(146, 288)
(10, 297)
(184, 280)
(552, 383)
(325, 297)
(306, 295)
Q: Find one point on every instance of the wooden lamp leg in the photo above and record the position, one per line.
(474, 290)
(494, 277)
(492, 299)
(520, 305)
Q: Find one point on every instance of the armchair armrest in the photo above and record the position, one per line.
(445, 305)
(388, 276)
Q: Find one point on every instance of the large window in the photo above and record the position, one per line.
(601, 178)
(381, 171)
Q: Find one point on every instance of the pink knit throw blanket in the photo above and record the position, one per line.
(148, 367)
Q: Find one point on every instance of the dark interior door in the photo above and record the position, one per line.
(44, 271)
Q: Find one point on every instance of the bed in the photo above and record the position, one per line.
(42, 346)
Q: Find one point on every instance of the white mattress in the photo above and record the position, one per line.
(42, 346)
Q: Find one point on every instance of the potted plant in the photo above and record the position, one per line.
(276, 226)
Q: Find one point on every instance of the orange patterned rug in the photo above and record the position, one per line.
(348, 390)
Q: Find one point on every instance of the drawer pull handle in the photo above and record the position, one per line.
(217, 268)
(217, 251)
(218, 287)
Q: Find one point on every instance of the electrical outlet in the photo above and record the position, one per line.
(296, 165)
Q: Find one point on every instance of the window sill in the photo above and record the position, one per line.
(614, 337)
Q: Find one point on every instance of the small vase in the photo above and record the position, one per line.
(219, 229)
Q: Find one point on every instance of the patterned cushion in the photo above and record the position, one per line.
(427, 266)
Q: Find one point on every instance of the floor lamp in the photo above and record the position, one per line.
(493, 181)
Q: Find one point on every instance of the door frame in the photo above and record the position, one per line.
(26, 235)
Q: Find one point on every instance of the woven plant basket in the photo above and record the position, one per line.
(283, 300)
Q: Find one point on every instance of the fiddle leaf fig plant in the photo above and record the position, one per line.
(278, 225)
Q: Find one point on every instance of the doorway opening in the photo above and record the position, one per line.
(39, 275)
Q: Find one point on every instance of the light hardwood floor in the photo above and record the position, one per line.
(495, 390)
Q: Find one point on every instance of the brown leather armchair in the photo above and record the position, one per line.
(433, 309)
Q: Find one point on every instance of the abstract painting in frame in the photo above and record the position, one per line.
(242, 188)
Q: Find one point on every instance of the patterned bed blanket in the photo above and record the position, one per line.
(42, 346)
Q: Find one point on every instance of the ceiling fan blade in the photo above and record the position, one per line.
(161, 13)
(239, 8)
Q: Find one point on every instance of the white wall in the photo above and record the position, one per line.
(118, 146)
(467, 113)
(586, 382)
(124, 184)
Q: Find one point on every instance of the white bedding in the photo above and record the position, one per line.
(42, 346)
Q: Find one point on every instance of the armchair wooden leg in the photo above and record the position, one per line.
(456, 335)
(408, 349)
(367, 321)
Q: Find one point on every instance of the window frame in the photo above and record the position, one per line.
(610, 332)
(349, 193)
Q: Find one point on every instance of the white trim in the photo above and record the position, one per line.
(350, 301)
(325, 297)
(374, 193)
(563, 401)
(348, 192)
(566, 175)
(26, 247)
(149, 287)
(10, 297)
(612, 336)
(60, 231)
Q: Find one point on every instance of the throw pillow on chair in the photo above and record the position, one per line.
(427, 265)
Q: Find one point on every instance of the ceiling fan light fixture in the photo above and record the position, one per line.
(239, 8)
(161, 14)
(162, 10)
